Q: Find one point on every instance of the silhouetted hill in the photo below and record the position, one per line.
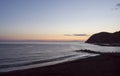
(105, 37)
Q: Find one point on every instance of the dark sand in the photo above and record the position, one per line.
(102, 65)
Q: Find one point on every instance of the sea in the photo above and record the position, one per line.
(25, 55)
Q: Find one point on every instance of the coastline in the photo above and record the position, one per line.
(107, 64)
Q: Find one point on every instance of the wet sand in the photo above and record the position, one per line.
(103, 65)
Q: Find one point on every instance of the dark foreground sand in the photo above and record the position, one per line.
(103, 65)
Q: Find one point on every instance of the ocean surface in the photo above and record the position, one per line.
(24, 55)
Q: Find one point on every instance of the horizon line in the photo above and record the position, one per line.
(41, 40)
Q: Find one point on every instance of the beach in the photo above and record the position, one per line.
(60, 38)
(107, 64)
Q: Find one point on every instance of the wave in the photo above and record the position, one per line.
(35, 62)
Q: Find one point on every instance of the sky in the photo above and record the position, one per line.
(57, 19)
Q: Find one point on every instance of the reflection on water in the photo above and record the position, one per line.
(21, 55)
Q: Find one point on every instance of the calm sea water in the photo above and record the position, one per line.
(24, 55)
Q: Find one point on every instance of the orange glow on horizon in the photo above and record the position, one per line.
(45, 37)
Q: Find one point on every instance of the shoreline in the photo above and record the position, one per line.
(52, 62)
(107, 64)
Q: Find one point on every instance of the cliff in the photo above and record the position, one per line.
(105, 37)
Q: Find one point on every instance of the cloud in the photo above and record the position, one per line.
(118, 4)
(79, 34)
(75, 35)
(67, 35)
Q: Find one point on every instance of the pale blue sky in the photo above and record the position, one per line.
(49, 17)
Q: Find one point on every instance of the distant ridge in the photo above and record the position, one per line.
(105, 38)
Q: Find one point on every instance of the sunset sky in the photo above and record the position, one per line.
(57, 19)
